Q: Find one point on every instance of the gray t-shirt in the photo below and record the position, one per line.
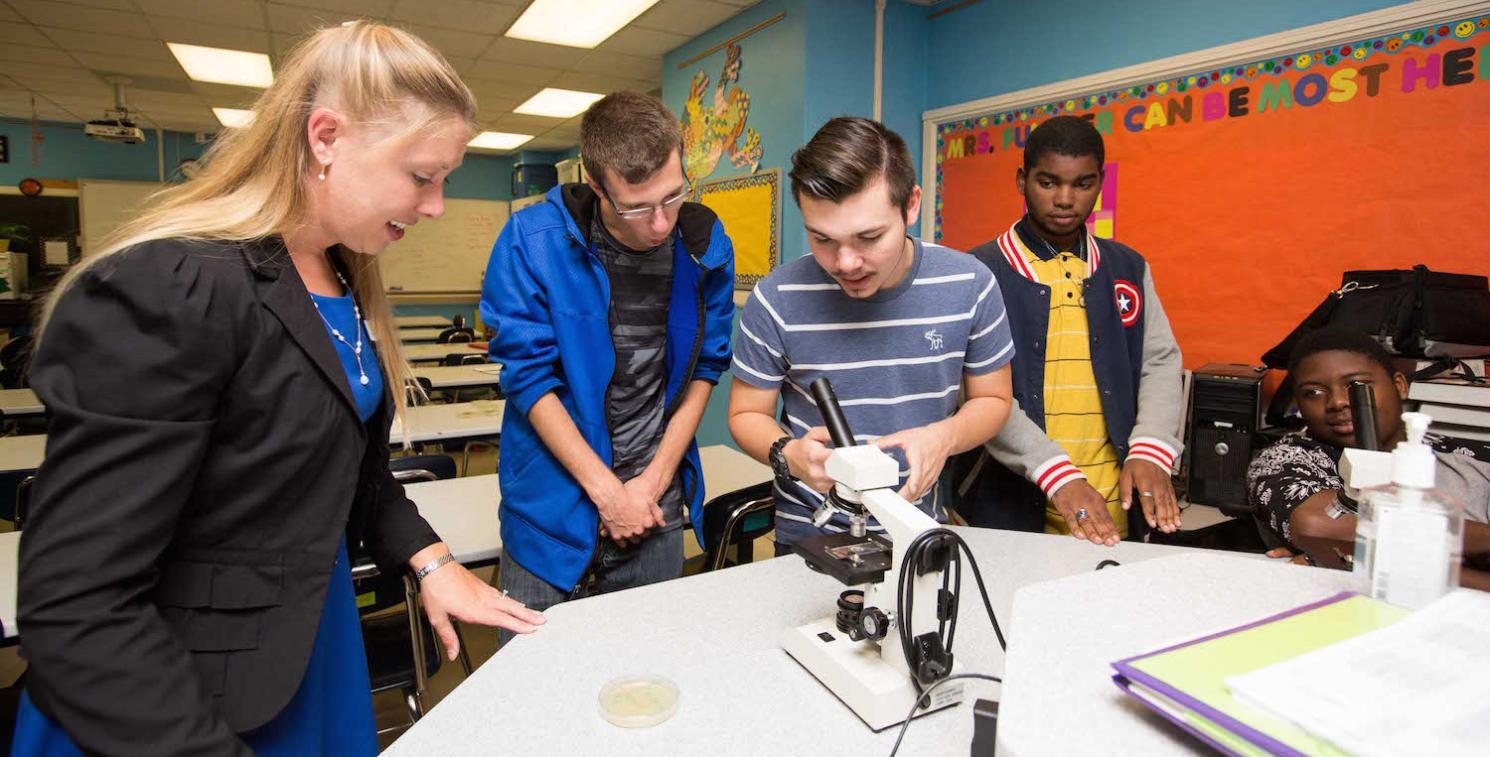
(896, 359)
(640, 284)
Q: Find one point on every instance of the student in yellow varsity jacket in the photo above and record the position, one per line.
(1097, 372)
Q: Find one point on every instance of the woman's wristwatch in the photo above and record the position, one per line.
(434, 565)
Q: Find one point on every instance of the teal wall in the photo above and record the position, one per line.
(66, 153)
(994, 47)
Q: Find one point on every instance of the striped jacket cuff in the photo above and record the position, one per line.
(1056, 472)
(1153, 450)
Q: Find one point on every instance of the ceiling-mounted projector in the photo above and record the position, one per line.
(116, 125)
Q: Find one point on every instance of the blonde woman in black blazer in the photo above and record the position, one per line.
(206, 455)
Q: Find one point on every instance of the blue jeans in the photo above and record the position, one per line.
(659, 557)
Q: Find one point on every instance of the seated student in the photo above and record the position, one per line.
(897, 324)
(1295, 484)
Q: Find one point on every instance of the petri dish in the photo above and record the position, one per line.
(638, 701)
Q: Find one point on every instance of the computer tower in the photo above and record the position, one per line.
(1225, 406)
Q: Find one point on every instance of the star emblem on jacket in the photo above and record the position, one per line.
(1129, 302)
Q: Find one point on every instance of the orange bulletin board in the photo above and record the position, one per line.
(1250, 188)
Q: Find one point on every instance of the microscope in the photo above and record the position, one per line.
(890, 639)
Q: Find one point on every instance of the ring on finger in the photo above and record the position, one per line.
(1145, 494)
(1081, 514)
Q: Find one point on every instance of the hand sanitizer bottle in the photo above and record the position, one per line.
(1409, 538)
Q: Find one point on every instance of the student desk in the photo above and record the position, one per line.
(717, 635)
(22, 453)
(415, 336)
(434, 353)
(422, 322)
(460, 376)
(463, 511)
(15, 403)
(453, 422)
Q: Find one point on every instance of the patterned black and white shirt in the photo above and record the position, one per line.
(1298, 467)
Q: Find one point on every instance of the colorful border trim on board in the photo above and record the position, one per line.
(1453, 67)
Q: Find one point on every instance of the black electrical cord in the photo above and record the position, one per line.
(926, 694)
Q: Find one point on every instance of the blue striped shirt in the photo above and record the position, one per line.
(896, 359)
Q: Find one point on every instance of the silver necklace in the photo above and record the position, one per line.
(357, 315)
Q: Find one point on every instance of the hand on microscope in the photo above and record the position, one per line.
(807, 457)
(1097, 527)
(925, 449)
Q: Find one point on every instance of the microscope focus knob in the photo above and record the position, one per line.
(873, 624)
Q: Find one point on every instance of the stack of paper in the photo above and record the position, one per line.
(1459, 407)
(1345, 676)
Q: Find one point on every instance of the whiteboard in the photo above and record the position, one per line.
(448, 254)
(103, 205)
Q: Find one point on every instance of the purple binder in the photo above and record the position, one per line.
(1127, 675)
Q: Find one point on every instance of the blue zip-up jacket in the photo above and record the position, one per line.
(547, 295)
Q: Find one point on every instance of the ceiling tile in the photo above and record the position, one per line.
(47, 56)
(647, 42)
(450, 42)
(118, 5)
(687, 17)
(493, 91)
(525, 124)
(245, 13)
(21, 33)
(28, 73)
(350, 8)
(224, 95)
(122, 65)
(587, 82)
(463, 15)
(617, 64)
(513, 72)
(110, 44)
(297, 20)
(65, 16)
(89, 87)
(508, 50)
(211, 35)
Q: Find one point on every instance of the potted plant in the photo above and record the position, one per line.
(18, 234)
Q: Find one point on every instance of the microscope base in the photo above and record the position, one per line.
(877, 692)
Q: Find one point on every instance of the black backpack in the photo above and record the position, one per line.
(1413, 313)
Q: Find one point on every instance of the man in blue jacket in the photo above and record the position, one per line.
(612, 303)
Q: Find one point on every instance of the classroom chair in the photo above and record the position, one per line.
(402, 652)
(734, 521)
(456, 336)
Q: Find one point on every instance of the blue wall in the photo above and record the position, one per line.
(992, 48)
(67, 154)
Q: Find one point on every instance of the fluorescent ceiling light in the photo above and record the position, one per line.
(221, 66)
(499, 140)
(576, 23)
(233, 118)
(557, 103)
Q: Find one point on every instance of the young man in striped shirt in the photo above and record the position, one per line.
(1098, 376)
(899, 326)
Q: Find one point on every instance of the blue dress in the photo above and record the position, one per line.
(331, 713)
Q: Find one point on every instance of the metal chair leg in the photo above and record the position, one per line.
(464, 655)
(413, 609)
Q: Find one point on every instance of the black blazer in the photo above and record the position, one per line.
(204, 460)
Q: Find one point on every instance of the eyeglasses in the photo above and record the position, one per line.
(636, 214)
